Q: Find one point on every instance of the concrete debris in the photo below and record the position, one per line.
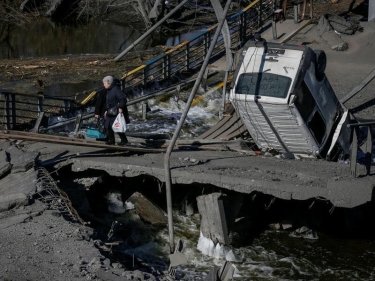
(305, 232)
(115, 203)
(212, 275)
(225, 273)
(21, 161)
(331, 27)
(19, 183)
(147, 210)
(5, 167)
(16, 187)
(213, 220)
(286, 226)
(329, 22)
(280, 226)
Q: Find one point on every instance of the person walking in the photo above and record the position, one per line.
(115, 98)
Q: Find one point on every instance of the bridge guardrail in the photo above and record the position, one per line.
(21, 110)
(167, 68)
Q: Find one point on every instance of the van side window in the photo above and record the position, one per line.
(317, 127)
(304, 102)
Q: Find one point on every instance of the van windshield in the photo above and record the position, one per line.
(263, 84)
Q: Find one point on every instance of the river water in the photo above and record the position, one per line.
(271, 255)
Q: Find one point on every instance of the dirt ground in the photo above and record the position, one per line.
(37, 244)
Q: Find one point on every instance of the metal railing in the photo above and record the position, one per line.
(168, 68)
(20, 111)
(366, 147)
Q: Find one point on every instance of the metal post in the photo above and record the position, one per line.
(37, 122)
(77, 124)
(169, 66)
(145, 75)
(353, 153)
(40, 104)
(295, 14)
(274, 31)
(187, 55)
(260, 14)
(221, 113)
(66, 105)
(241, 28)
(243, 24)
(7, 113)
(144, 110)
(13, 111)
(180, 124)
(368, 150)
(206, 43)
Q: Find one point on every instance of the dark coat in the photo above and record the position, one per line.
(115, 96)
(100, 102)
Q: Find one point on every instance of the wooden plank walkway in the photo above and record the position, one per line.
(228, 128)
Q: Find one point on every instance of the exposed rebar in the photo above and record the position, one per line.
(54, 197)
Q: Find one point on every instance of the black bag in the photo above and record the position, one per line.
(113, 111)
(101, 125)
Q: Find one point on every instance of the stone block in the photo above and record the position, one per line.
(147, 210)
(213, 220)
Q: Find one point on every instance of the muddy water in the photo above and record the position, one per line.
(42, 38)
(277, 256)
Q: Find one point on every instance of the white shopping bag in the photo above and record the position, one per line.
(119, 126)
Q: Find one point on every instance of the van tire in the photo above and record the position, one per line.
(321, 63)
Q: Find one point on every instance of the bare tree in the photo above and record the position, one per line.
(10, 15)
(149, 10)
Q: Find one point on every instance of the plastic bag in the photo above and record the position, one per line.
(119, 126)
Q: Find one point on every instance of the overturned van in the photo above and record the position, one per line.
(286, 101)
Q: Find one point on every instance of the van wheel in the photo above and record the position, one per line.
(321, 63)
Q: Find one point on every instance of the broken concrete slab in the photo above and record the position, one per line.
(335, 41)
(19, 183)
(213, 220)
(147, 210)
(5, 167)
(21, 161)
(13, 201)
(240, 173)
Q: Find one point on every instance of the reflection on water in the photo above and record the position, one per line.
(44, 38)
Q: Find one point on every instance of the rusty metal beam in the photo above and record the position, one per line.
(8, 134)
